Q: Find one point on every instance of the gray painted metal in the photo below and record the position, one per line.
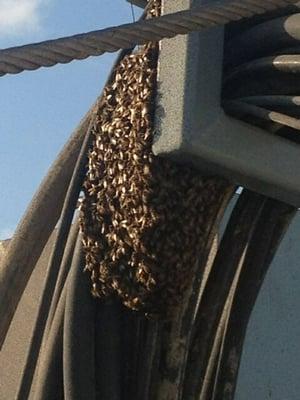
(139, 3)
(192, 127)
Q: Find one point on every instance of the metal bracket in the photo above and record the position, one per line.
(138, 3)
(192, 127)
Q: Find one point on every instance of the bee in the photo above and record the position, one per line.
(143, 214)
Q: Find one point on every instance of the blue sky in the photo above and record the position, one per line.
(40, 109)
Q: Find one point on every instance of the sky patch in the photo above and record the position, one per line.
(19, 17)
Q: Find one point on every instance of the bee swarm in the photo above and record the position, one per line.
(143, 218)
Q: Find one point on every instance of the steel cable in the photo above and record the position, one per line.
(238, 232)
(53, 267)
(49, 383)
(36, 227)
(240, 108)
(62, 274)
(273, 101)
(133, 341)
(287, 63)
(63, 50)
(212, 365)
(177, 335)
(40, 219)
(149, 361)
(61, 266)
(273, 223)
(221, 376)
(261, 78)
(109, 349)
(79, 371)
(278, 34)
(255, 78)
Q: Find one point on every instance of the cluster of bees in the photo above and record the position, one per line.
(143, 218)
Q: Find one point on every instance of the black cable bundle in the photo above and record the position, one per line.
(261, 72)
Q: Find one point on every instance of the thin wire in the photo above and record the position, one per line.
(64, 50)
(132, 11)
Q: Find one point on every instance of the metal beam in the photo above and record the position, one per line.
(192, 127)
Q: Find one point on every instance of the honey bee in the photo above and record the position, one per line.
(140, 214)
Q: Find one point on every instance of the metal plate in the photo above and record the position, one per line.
(139, 3)
(192, 127)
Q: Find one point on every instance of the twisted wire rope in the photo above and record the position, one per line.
(77, 47)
